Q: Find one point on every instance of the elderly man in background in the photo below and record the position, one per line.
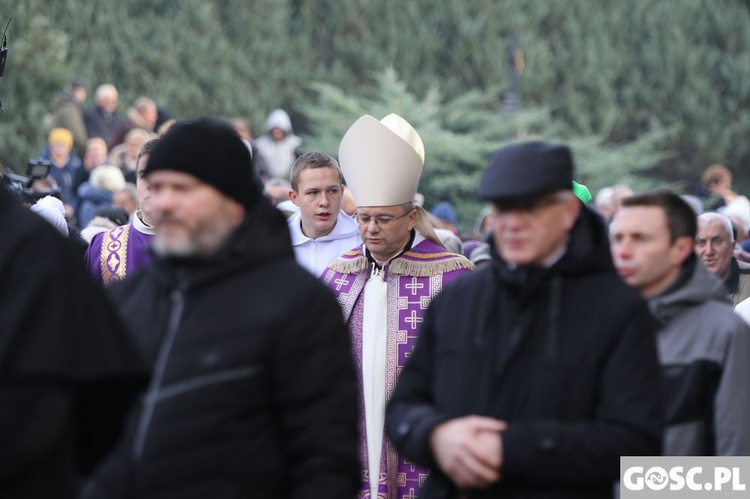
(104, 119)
(714, 245)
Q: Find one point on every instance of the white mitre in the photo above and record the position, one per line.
(382, 163)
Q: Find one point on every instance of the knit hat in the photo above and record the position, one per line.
(445, 212)
(527, 170)
(61, 135)
(211, 151)
(77, 82)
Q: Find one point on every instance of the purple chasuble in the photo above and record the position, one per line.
(117, 252)
(413, 279)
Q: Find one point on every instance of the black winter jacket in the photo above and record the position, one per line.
(253, 391)
(566, 355)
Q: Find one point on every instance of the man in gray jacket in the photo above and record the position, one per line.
(703, 346)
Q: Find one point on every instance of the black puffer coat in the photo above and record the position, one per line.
(566, 355)
(253, 391)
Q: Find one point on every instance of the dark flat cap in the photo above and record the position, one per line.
(527, 170)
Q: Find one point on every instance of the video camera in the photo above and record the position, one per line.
(23, 185)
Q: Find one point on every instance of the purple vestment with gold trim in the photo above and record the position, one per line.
(118, 252)
(413, 279)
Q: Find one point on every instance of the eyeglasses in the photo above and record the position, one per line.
(380, 220)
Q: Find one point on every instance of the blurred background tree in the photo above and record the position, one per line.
(460, 133)
(648, 93)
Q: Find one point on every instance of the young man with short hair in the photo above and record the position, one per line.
(703, 346)
(320, 230)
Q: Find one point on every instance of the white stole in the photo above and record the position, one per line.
(374, 336)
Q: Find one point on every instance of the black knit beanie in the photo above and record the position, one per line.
(212, 151)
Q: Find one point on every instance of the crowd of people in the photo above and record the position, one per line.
(250, 321)
(81, 140)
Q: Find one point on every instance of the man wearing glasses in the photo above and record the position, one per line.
(533, 375)
(385, 285)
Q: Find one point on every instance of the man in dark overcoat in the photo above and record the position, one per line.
(532, 376)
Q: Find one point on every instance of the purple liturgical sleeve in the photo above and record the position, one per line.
(114, 254)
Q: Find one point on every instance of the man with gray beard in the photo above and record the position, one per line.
(246, 399)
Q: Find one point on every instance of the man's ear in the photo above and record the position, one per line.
(572, 207)
(681, 249)
(413, 218)
(294, 198)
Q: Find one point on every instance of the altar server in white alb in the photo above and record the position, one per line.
(320, 230)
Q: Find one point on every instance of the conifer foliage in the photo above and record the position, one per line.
(647, 92)
(461, 133)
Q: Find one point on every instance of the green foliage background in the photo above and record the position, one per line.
(646, 92)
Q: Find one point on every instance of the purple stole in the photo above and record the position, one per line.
(118, 252)
(413, 279)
